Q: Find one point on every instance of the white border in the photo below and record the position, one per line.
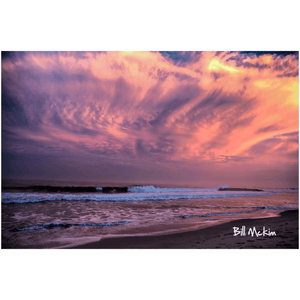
(155, 25)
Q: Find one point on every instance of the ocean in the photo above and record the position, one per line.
(64, 219)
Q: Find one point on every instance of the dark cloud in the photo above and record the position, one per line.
(277, 53)
(288, 74)
(181, 57)
(254, 65)
(294, 134)
(269, 128)
(283, 65)
(216, 75)
(160, 75)
(185, 77)
(12, 55)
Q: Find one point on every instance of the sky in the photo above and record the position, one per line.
(203, 118)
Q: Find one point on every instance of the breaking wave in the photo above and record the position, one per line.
(152, 189)
(20, 198)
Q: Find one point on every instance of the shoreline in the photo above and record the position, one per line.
(216, 237)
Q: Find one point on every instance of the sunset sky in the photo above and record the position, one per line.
(203, 118)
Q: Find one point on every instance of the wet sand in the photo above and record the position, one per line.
(217, 237)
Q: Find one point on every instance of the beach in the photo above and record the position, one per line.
(220, 236)
(149, 217)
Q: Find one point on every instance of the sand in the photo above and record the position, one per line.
(220, 236)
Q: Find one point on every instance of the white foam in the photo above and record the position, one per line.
(152, 189)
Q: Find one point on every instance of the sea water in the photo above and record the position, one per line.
(59, 220)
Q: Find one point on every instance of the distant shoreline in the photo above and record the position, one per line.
(218, 236)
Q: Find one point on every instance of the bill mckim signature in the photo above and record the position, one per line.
(252, 231)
